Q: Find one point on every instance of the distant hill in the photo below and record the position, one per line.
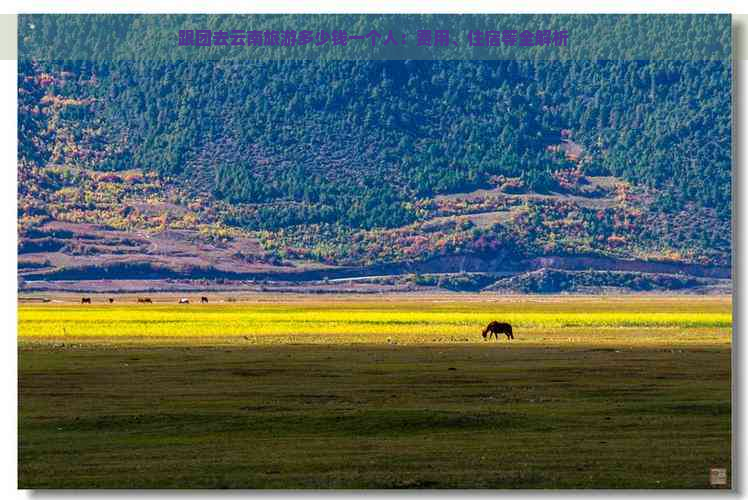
(231, 170)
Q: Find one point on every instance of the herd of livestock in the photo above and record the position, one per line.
(494, 328)
(147, 300)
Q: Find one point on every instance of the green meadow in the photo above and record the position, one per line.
(617, 392)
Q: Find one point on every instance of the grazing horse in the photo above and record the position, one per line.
(184, 301)
(86, 300)
(203, 300)
(495, 328)
(144, 300)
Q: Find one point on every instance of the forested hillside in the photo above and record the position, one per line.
(361, 163)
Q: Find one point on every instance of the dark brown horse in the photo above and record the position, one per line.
(86, 300)
(495, 328)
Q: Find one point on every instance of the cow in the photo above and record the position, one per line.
(184, 301)
(495, 328)
(86, 300)
(144, 300)
(203, 300)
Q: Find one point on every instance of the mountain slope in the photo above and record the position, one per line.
(317, 165)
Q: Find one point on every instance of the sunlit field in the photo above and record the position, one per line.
(386, 392)
(648, 320)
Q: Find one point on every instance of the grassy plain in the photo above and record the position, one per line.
(393, 392)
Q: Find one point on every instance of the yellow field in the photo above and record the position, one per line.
(622, 320)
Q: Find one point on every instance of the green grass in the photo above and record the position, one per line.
(633, 407)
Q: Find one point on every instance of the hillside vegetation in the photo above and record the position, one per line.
(321, 164)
